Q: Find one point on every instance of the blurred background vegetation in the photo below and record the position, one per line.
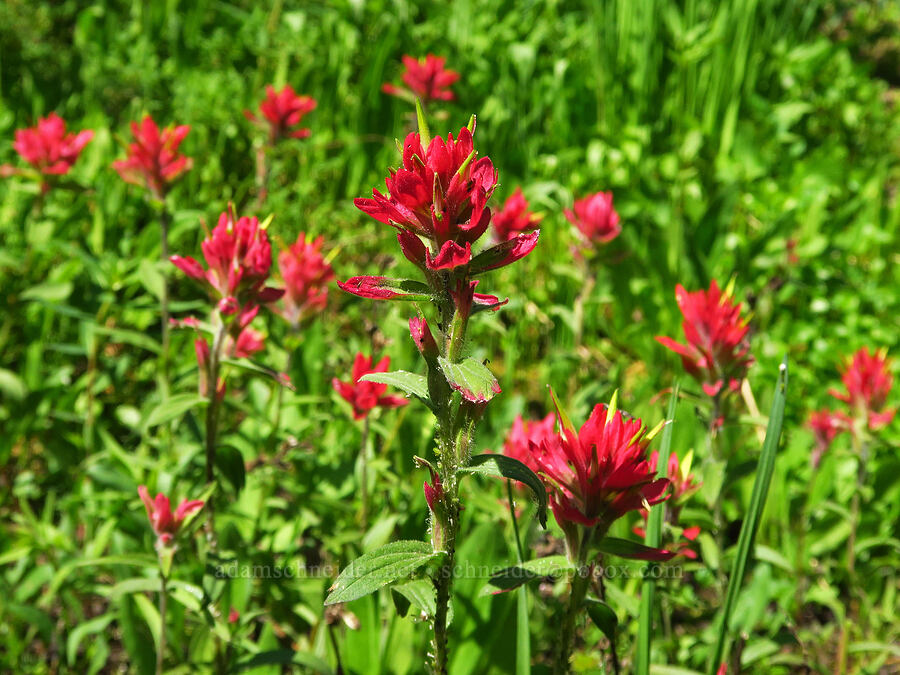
(750, 139)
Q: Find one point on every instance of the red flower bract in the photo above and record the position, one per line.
(440, 193)
(47, 146)
(364, 396)
(717, 350)
(426, 78)
(153, 160)
(599, 473)
(868, 381)
(524, 434)
(164, 523)
(239, 257)
(514, 218)
(306, 276)
(283, 111)
(826, 425)
(595, 218)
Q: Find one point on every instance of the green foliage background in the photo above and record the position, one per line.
(725, 129)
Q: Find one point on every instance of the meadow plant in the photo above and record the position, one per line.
(426, 79)
(438, 203)
(515, 217)
(49, 150)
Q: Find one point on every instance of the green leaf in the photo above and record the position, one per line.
(419, 592)
(74, 639)
(757, 503)
(652, 540)
(12, 385)
(603, 617)
(49, 292)
(512, 577)
(488, 464)
(424, 132)
(471, 378)
(388, 564)
(173, 407)
(285, 657)
(231, 463)
(410, 383)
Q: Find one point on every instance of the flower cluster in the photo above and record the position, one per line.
(165, 524)
(426, 79)
(282, 112)
(717, 353)
(365, 396)
(523, 435)
(596, 474)
(306, 276)
(153, 160)
(682, 486)
(595, 218)
(514, 218)
(867, 384)
(47, 146)
(440, 194)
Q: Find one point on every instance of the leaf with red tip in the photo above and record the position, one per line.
(625, 548)
(504, 253)
(385, 288)
(471, 378)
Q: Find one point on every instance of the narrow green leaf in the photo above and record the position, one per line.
(285, 657)
(424, 132)
(523, 634)
(652, 540)
(488, 464)
(603, 617)
(471, 378)
(410, 383)
(757, 503)
(173, 407)
(73, 641)
(394, 562)
(512, 577)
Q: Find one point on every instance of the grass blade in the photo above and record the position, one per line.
(652, 539)
(523, 635)
(757, 503)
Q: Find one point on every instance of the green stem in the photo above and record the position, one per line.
(164, 297)
(515, 522)
(163, 599)
(212, 424)
(580, 584)
(364, 473)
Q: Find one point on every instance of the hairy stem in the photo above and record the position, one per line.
(212, 424)
(164, 219)
(580, 583)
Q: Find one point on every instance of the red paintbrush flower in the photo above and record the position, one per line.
(47, 146)
(524, 434)
(364, 396)
(826, 425)
(427, 79)
(868, 380)
(717, 350)
(679, 474)
(595, 218)
(239, 256)
(282, 111)
(306, 276)
(599, 473)
(164, 523)
(153, 160)
(514, 218)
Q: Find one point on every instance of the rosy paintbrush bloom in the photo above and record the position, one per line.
(868, 380)
(306, 276)
(717, 353)
(283, 111)
(238, 257)
(365, 396)
(47, 146)
(679, 474)
(514, 218)
(826, 425)
(524, 434)
(153, 160)
(164, 523)
(425, 78)
(595, 218)
(599, 473)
